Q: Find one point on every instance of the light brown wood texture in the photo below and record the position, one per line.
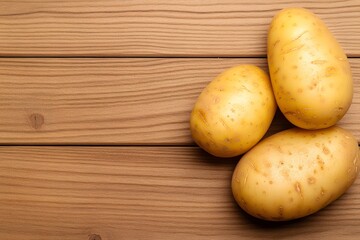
(115, 101)
(158, 27)
(126, 74)
(70, 193)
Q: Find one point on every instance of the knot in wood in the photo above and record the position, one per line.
(94, 237)
(36, 120)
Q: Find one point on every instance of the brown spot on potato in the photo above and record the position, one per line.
(330, 71)
(298, 189)
(326, 151)
(202, 116)
(270, 182)
(224, 123)
(292, 49)
(267, 164)
(318, 62)
(276, 42)
(311, 180)
(320, 162)
(281, 211)
(322, 191)
(291, 199)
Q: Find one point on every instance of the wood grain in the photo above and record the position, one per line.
(114, 101)
(141, 193)
(158, 27)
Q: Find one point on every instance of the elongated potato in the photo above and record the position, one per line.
(233, 112)
(296, 172)
(309, 71)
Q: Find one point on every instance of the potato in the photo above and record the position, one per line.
(309, 71)
(296, 172)
(233, 112)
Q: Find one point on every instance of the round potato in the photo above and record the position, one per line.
(309, 71)
(233, 112)
(296, 172)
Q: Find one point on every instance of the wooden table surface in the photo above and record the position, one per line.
(95, 98)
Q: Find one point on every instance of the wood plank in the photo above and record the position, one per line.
(142, 193)
(158, 27)
(114, 101)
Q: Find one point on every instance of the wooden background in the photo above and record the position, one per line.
(95, 98)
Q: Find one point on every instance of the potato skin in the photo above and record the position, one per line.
(309, 71)
(233, 112)
(296, 172)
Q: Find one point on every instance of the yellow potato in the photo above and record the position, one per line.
(309, 71)
(296, 172)
(233, 112)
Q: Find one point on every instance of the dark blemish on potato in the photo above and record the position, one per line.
(263, 192)
(315, 172)
(291, 199)
(254, 167)
(216, 99)
(276, 43)
(270, 182)
(326, 151)
(243, 201)
(290, 153)
(320, 162)
(330, 71)
(281, 211)
(311, 180)
(300, 167)
(277, 70)
(322, 191)
(298, 188)
(293, 49)
(257, 183)
(202, 116)
(224, 123)
(227, 139)
(318, 62)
